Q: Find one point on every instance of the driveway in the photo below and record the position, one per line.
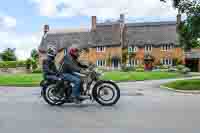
(143, 108)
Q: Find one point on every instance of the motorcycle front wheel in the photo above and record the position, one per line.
(106, 93)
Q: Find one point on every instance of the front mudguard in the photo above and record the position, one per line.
(103, 81)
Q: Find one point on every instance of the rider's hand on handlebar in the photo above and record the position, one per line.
(84, 71)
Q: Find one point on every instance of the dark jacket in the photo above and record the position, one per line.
(72, 65)
(49, 67)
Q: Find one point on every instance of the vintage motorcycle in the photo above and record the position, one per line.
(106, 93)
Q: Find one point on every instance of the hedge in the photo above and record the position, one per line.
(12, 64)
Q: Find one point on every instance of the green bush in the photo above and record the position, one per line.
(180, 67)
(12, 64)
(172, 69)
(164, 70)
(139, 69)
(37, 71)
(126, 69)
(185, 70)
(21, 64)
(28, 63)
(164, 67)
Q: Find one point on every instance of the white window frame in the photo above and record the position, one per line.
(166, 47)
(166, 61)
(148, 48)
(134, 62)
(132, 49)
(101, 63)
(100, 49)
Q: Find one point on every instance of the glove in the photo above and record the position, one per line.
(84, 71)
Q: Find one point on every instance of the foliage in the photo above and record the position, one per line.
(28, 63)
(176, 61)
(12, 64)
(109, 60)
(124, 56)
(139, 69)
(189, 30)
(35, 54)
(180, 67)
(34, 64)
(34, 59)
(37, 70)
(8, 55)
(185, 70)
(126, 68)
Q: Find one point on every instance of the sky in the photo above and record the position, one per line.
(21, 21)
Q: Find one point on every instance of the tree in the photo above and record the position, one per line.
(34, 59)
(34, 54)
(8, 55)
(175, 2)
(189, 30)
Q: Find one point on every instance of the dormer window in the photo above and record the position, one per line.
(132, 49)
(148, 48)
(100, 49)
(166, 47)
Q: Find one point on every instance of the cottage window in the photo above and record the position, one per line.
(166, 47)
(148, 48)
(132, 49)
(100, 63)
(166, 61)
(100, 49)
(134, 62)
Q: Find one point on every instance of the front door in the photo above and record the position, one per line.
(115, 63)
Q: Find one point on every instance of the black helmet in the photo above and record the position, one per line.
(51, 51)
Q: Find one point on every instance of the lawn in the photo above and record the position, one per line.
(34, 79)
(193, 84)
(25, 80)
(138, 76)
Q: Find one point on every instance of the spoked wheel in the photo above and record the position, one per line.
(50, 98)
(106, 93)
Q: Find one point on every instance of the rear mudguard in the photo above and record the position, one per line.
(44, 84)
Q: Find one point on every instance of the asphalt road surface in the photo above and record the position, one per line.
(143, 108)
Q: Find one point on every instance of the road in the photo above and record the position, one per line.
(143, 108)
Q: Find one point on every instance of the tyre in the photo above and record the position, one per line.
(106, 93)
(50, 98)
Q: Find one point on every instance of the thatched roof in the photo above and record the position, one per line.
(64, 39)
(154, 33)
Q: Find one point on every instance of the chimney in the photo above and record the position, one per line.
(94, 23)
(46, 28)
(122, 18)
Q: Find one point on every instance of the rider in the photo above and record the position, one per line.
(71, 69)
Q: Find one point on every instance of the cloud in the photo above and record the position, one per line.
(23, 43)
(105, 9)
(7, 22)
(9, 38)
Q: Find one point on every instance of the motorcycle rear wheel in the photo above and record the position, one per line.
(50, 98)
